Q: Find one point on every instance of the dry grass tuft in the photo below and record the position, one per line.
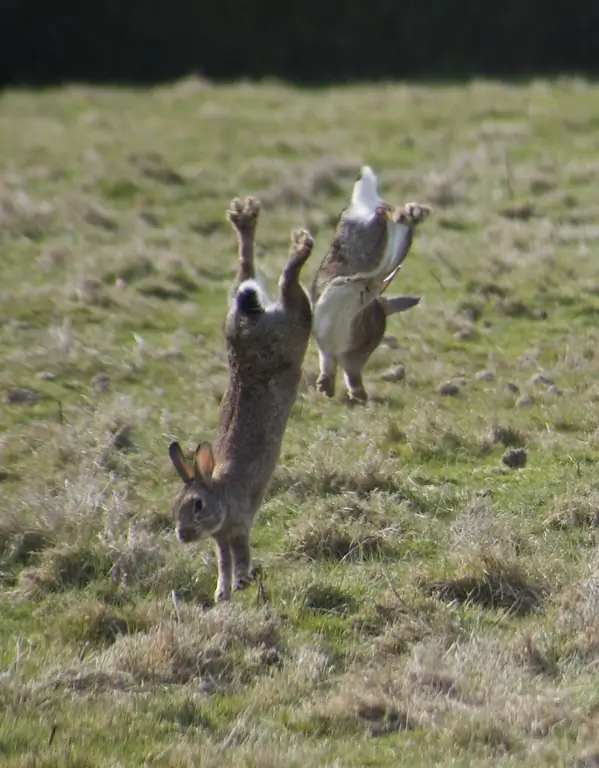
(346, 527)
(536, 654)
(374, 717)
(392, 627)
(483, 734)
(508, 436)
(91, 621)
(489, 551)
(326, 598)
(320, 480)
(493, 585)
(65, 566)
(574, 512)
(591, 760)
(248, 743)
(224, 646)
(337, 542)
(20, 543)
(80, 681)
(430, 439)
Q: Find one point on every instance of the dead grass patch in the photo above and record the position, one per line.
(21, 542)
(330, 541)
(574, 512)
(483, 734)
(318, 480)
(251, 744)
(371, 716)
(537, 654)
(326, 598)
(84, 681)
(63, 567)
(432, 440)
(346, 527)
(492, 584)
(392, 627)
(222, 646)
(153, 167)
(508, 436)
(91, 621)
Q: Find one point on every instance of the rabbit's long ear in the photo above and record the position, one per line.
(204, 462)
(180, 463)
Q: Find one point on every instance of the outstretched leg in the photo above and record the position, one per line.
(406, 220)
(243, 215)
(368, 329)
(225, 569)
(293, 296)
(240, 550)
(328, 372)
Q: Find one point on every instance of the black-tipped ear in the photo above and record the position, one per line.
(180, 463)
(204, 462)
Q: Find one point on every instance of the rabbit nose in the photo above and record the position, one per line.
(185, 534)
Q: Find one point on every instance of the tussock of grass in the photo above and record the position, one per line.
(20, 543)
(392, 627)
(508, 436)
(92, 621)
(491, 584)
(347, 528)
(371, 716)
(65, 566)
(216, 648)
(142, 564)
(574, 512)
(87, 682)
(537, 655)
(432, 440)
(252, 745)
(338, 542)
(482, 734)
(353, 492)
(573, 641)
(326, 598)
(487, 552)
(321, 481)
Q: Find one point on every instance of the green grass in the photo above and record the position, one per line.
(425, 605)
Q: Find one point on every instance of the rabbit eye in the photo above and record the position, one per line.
(197, 506)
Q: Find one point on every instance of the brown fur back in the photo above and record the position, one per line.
(266, 353)
(356, 247)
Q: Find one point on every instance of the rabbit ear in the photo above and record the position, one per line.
(180, 462)
(204, 462)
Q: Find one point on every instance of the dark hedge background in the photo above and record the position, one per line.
(48, 41)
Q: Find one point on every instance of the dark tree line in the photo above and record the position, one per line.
(310, 41)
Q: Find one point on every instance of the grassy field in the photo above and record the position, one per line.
(422, 603)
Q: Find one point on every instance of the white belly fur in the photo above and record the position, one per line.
(335, 311)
